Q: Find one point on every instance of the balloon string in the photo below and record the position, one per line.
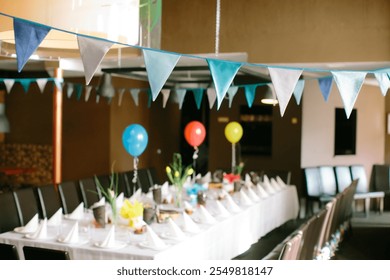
(233, 156)
(194, 158)
(135, 175)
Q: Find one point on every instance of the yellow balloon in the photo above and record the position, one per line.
(233, 132)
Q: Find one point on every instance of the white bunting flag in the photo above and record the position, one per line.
(232, 91)
(41, 84)
(349, 84)
(211, 96)
(383, 81)
(298, 91)
(135, 95)
(9, 83)
(165, 92)
(88, 90)
(121, 91)
(92, 52)
(284, 82)
(180, 94)
(69, 89)
(159, 66)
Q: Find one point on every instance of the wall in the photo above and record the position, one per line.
(318, 125)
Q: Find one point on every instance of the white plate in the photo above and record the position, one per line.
(168, 235)
(80, 242)
(31, 236)
(68, 217)
(146, 245)
(118, 245)
(22, 230)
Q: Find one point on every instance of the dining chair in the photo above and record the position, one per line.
(36, 253)
(70, 196)
(362, 190)
(8, 252)
(153, 178)
(10, 214)
(123, 184)
(144, 180)
(291, 247)
(314, 193)
(328, 180)
(343, 177)
(90, 193)
(49, 200)
(27, 202)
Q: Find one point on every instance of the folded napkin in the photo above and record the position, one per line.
(248, 180)
(268, 187)
(244, 199)
(174, 230)
(231, 205)
(205, 216)
(119, 200)
(136, 196)
(101, 202)
(165, 193)
(109, 240)
(188, 207)
(281, 182)
(252, 195)
(261, 191)
(32, 225)
(73, 235)
(77, 213)
(275, 185)
(41, 232)
(188, 224)
(55, 219)
(223, 212)
(153, 240)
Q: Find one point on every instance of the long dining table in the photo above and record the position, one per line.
(225, 239)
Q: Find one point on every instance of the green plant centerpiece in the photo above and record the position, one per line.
(110, 193)
(177, 175)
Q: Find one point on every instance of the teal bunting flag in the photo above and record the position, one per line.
(250, 92)
(28, 36)
(223, 73)
(384, 82)
(349, 85)
(232, 91)
(298, 91)
(325, 85)
(198, 95)
(284, 82)
(25, 84)
(150, 97)
(181, 94)
(79, 90)
(159, 66)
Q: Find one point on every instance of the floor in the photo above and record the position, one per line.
(368, 239)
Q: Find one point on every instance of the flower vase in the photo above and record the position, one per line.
(178, 199)
(114, 214)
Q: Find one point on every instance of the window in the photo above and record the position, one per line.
(345, 133)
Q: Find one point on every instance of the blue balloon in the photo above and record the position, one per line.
(135, 139)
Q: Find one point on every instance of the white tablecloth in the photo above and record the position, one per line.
(224, 240)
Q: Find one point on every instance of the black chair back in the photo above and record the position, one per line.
(49, 200)
(123, 184)
(70, 196)
(10, 214)
(89, 191)
(36, 253)
(8, 252)
(144, 180)
(27, 202)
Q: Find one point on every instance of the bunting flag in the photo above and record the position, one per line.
(135, 95)
(88, 90)
(92, 52)
(181, 94)
(97, 98)
(165, 92)
(69, 89)
(284, 82)
(25, 84)
(349, 85)
(9, 83)
(383, 81)
(58, 83)
(232, 91)
(150, 97)
(211, 96)
(198, 95)
(250, 92)
(41, 84)
(79, 90)
(28, 36)
(298, 91)
(159, 66)
(223, 73)
(325, 85)
(121, 91)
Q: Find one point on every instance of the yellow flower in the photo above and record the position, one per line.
(177, 174)
(131, 210)
(168, 169)
(190, 171)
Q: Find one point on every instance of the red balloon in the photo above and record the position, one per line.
(194, 132)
